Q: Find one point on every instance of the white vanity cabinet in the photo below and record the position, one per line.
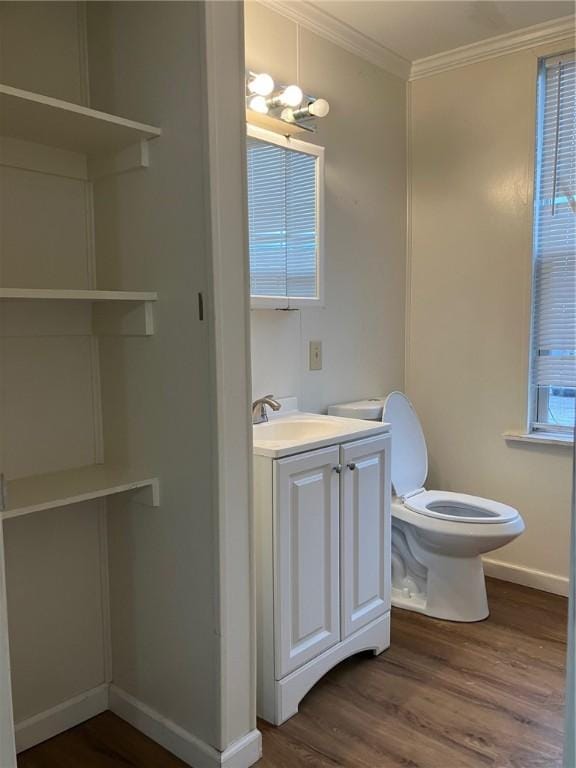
(322, 522)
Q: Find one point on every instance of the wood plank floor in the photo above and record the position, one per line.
(445, 695)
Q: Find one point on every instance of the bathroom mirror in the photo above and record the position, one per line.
(285, 218)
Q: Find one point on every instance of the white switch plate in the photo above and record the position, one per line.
(315, 355)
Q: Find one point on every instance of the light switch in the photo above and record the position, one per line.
(315, 355)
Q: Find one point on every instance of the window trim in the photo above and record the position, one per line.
(540, 431)
(280, 302)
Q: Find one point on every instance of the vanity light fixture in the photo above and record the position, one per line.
(317, 108)
(283, 103)
(258, 104)
(260, 85)
(291, 96)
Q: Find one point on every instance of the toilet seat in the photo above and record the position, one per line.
(459, 507)
(410, 467)
(409, 464)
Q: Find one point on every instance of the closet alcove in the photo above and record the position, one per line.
(104, 367)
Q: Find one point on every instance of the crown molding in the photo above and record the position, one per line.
(539, 34)
(326, 26)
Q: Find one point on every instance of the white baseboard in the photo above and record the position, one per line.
(241, 754)
(528, 577)
(61, 717)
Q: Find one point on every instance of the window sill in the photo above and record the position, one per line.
(538, 438)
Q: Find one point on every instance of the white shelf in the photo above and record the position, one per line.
(76, 295)
(59, 489)
(45, 120)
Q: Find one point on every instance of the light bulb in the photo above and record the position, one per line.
(291, 96)
(258, 104)
(288, 115)
(319, 108)
(261, 85)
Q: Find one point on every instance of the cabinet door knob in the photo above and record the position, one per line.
(352, 465)
(337, 468)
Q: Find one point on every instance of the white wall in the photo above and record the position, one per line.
(472, 150)
(362, 325)
(157, 401)
(180, 580)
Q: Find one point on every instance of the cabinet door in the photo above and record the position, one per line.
(306, 543)
(365, 534)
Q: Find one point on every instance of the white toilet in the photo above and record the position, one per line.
(437, 536)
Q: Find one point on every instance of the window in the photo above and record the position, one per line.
(553, 358)
(285, 182)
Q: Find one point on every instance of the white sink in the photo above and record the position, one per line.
(295, 429)
(296, 432)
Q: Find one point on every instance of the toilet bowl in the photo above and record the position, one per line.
(438, 537)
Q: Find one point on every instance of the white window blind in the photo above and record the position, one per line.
(283, 215)
(554, 310)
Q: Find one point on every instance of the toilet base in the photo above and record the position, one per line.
(434, 584)
(470, 605)
(408, 600)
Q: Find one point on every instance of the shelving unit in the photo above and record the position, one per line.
(60, 489)
(113, 313)
(44, 120)
(99, 423)
(56, 294)
(57, 406)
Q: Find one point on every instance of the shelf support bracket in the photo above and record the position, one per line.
(148, 495)
(123, 318)
(127, 159)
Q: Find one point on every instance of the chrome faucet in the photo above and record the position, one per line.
(259, 414)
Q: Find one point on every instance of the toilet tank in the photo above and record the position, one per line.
(370, 409)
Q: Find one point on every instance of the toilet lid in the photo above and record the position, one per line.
(409, 454)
